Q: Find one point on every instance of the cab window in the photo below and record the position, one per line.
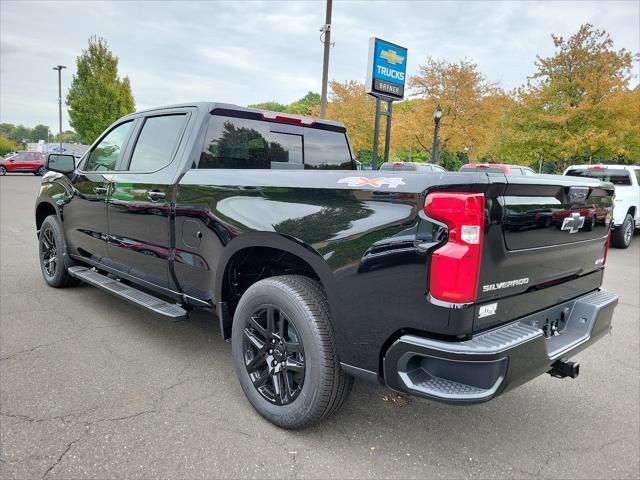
(105, 155)
(157, 143)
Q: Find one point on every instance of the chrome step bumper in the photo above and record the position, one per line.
(490, 363)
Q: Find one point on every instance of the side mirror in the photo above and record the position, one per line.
(60, 163)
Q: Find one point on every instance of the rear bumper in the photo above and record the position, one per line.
(495, 361)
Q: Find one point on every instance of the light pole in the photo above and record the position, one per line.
(59, 69)
(326, 31)
(437, 115)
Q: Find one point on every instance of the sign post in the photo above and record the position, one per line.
(386, 74)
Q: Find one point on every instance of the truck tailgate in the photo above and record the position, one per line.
(541, 232)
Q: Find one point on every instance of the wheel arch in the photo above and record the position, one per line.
(44, 208)
(306, 260)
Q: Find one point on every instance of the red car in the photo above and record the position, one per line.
(497, 168)
(30, 162)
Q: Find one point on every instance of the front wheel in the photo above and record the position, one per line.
(621, 236)
(284, 352)
(51, 248)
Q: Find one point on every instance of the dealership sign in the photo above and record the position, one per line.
(387, 69)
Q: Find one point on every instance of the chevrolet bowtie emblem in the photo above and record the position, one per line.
(392, 57)
(573, 223)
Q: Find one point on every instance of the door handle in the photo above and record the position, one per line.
(154, 195)
(101, 190)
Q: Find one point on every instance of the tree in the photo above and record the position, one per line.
(576, 107)
(470, 105)
(68, 136)
(39, 132)
(7, 145)
(271, 106)
(351, 105)
(305, 105)
(97, 96)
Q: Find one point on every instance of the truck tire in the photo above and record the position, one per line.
(285, 354)
(51, 247)
(621, 236)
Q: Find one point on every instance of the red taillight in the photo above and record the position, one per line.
(597, 167)
(455, 267)
(293, 120)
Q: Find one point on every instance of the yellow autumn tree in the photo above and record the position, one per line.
(471, 107)
(351, 105)
(576, 107)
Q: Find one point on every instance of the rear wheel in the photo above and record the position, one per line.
(41, 171)
(3, 170)
(51, 248)
(285, 354)
(621, 236)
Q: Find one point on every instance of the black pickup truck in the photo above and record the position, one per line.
(454, 287)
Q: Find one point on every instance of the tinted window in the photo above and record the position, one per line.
(637, 171)
(157, 143)
(399, 167)
(326, 150)
(483, 169)
(244, 143)
(617, 177)
(105, 155)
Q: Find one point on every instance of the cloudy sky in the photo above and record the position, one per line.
(245, 52)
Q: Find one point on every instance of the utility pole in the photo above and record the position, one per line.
(326, 31)
(59, 69)
(437, 115)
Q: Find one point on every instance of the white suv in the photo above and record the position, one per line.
(626, 211)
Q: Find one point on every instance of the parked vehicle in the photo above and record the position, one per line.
(410, 167)
(626, 213)
(21, 162)
(497, 168)
(319, 272)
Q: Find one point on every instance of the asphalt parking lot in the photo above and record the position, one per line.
(92, 387)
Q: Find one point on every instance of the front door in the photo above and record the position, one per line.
(140, 200)
(85, 215)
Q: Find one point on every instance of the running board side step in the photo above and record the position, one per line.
(137, 297)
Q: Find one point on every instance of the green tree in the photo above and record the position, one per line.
(68, 136)
(39, 132)
(7, 145)
(8, 130)
(98, 96)
(271, 106)
(305, 105)
(22, 133)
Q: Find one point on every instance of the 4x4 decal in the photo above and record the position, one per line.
(392, 182)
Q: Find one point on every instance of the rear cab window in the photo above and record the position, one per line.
(248, 143)
(617, 176)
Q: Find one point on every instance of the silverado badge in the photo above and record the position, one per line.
(392, 182)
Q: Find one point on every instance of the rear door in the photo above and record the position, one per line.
(139, 207)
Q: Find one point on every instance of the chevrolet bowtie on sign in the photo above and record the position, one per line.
(387, 68)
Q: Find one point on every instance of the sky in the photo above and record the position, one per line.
(248, 52)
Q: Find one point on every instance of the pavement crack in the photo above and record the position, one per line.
(62, 455)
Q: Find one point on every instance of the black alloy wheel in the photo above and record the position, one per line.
(3, 170)
(48, 252)
(274, 355)
(41, 171)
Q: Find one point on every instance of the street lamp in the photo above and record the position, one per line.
(437, 115)
(59, 69)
